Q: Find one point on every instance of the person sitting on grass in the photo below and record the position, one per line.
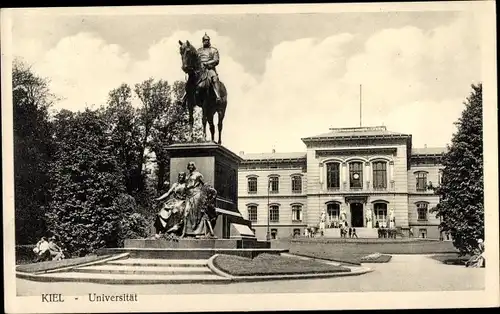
(42, 250)
(55, 251)
(477, 259)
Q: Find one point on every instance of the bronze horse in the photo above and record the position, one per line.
(200, 93)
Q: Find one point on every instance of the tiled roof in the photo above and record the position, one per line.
(428, 150)
(356, 132)
(260, 156)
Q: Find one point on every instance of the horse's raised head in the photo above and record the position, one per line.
(189, 55)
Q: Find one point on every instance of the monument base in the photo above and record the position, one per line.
(219, 167)
(192, 248)
(244, 243)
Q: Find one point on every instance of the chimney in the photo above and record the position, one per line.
(242, 153)
(274, 150)
(425, 145)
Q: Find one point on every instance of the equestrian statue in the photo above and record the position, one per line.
(203, 87)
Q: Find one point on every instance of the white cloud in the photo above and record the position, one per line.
(413, 82)
(83, 69)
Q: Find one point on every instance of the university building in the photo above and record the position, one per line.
(366, 175)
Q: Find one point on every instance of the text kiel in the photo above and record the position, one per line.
(52, 297)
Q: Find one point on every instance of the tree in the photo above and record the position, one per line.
(171, 127)
(33, 150)
(86, 182)
(123, 126)
(461, 206)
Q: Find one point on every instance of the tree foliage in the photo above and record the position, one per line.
(86, 177)
(86, 181)
(33, 150)
(461, 206)
(123, 127)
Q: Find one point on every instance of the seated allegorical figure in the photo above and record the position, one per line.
(170, 218)
(200, 212)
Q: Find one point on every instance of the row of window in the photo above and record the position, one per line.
(274, 213)
(422, 184)
(379, 169)
(274, 184)
(333, 212)
(333, 178)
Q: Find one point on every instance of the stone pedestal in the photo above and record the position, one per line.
(219, 167)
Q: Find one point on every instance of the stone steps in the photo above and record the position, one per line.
(362, 233)
(117, 278)
(144, 270)
(137, 271)
(160, 262)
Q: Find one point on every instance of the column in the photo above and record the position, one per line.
(367, 175)
(391, 175)
(321, 175)
(345, 177)
(369, 216)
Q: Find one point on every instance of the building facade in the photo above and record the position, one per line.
(367, 176)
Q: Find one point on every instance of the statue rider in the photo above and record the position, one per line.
(209, 57)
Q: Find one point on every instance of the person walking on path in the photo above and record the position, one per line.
(354, 233)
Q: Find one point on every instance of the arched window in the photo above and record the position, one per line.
(333, 176)
(380, 175)
(356, 175)
(422, 209)
(252, 185)
(296, 212)
(252, 213)
(333, 211)
(274, 184)
(421, 180)
(380, 210)
(274, 213)
(296, 184)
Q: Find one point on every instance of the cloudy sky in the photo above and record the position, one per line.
(288, 75)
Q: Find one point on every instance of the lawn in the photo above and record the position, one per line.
(352, 252)
(269, 264)
(50, 265)
(451, 259)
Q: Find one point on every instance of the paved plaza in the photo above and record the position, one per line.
(402, 273)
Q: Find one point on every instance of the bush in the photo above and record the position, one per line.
(86, 181)
(133, 224)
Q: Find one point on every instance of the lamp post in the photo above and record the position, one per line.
(268, 236)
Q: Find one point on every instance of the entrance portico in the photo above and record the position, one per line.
(356, 204)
